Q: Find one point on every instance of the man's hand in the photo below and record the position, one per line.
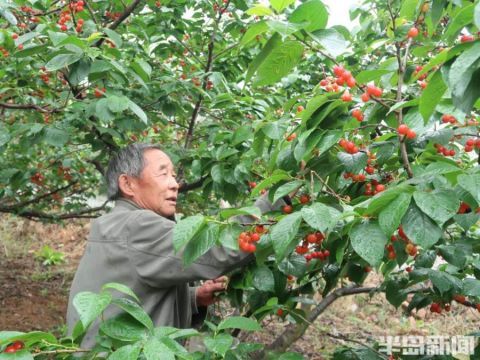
(206, 293)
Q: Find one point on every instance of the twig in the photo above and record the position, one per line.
(34, 214)
(208, 67)
(28, 107)
(329, 189)
(90, 10)
(190, 51)
(120, 19)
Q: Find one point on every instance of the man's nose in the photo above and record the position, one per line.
(174, 184)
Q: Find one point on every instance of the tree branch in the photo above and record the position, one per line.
(37, 215)
(121, 18)
(28, 107)
(208, 67)
(294, 331)
(184, 187)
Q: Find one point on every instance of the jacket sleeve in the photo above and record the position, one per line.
(150, 246)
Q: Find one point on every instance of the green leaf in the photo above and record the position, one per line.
(353, 162)
(370, 75)
(186, 229)
(90, 305)
(444, 281)
(7, 14)
(153, 348)
(249, 210)
(284, 28)
(391, 216)
(279, 5)
(312, 11)
(61, 61)
(320, 217)
(471, 183)
(432, 95)
(328, 139)
(462, 19)
(239, 322)
(135, 310)
(331, 40)
(313, 105)
(271, 44)
(287, 188)
(19, 355)
(138, 111)
(117, 103)
(259, 10)
(283, 234)
(440, 205)
(121, 288)
(102, 111)
(420, 228)
(127, 352)
(55, 137)
(203, 241)
(254, 30)
(471, 287)
(124, 328)
(382, 200)
(30, 338)
(408, 9)
(219, 344)
(263, 279)
(143, 69)
(394, 293)
(295, 265)
(114, 36)
(269, 181)
(281, 60)
(476, 15)
(368, 241)
(462, 70)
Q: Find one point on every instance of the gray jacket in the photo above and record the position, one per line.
(134, 247)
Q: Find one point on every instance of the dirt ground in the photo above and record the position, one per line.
(34, 296)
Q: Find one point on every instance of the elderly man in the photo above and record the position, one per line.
(133, 245)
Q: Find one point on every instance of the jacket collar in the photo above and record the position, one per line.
(123, 203)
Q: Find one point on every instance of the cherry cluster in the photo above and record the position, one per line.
(373, 188)
(406, 131)
(371, 90)
(99, 92)
(315, 239)
(444, 151)
(4, 51)
(14, 347)
(348, 146)
(447, 118)
(44, 75)
(112, 15)
(410, 248)
(472, 143)
(37, 179)
(247, 239)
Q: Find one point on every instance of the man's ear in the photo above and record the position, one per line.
(126, 186)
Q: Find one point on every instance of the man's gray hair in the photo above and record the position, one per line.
(129, 161)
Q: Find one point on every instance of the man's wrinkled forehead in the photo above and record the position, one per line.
(158, 159)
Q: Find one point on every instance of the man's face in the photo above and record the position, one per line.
(156, 189)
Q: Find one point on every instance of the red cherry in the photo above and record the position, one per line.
(411, 134)
(300, 108)
(311, 238)
(403, 129)
(413, 32)
(14, 36)
(379, 188)
(255, 237)
(347, 97)
(304, 199)
(466, 38)
(365, 97)
(287, 209)
(369, 170)
(338, 70)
